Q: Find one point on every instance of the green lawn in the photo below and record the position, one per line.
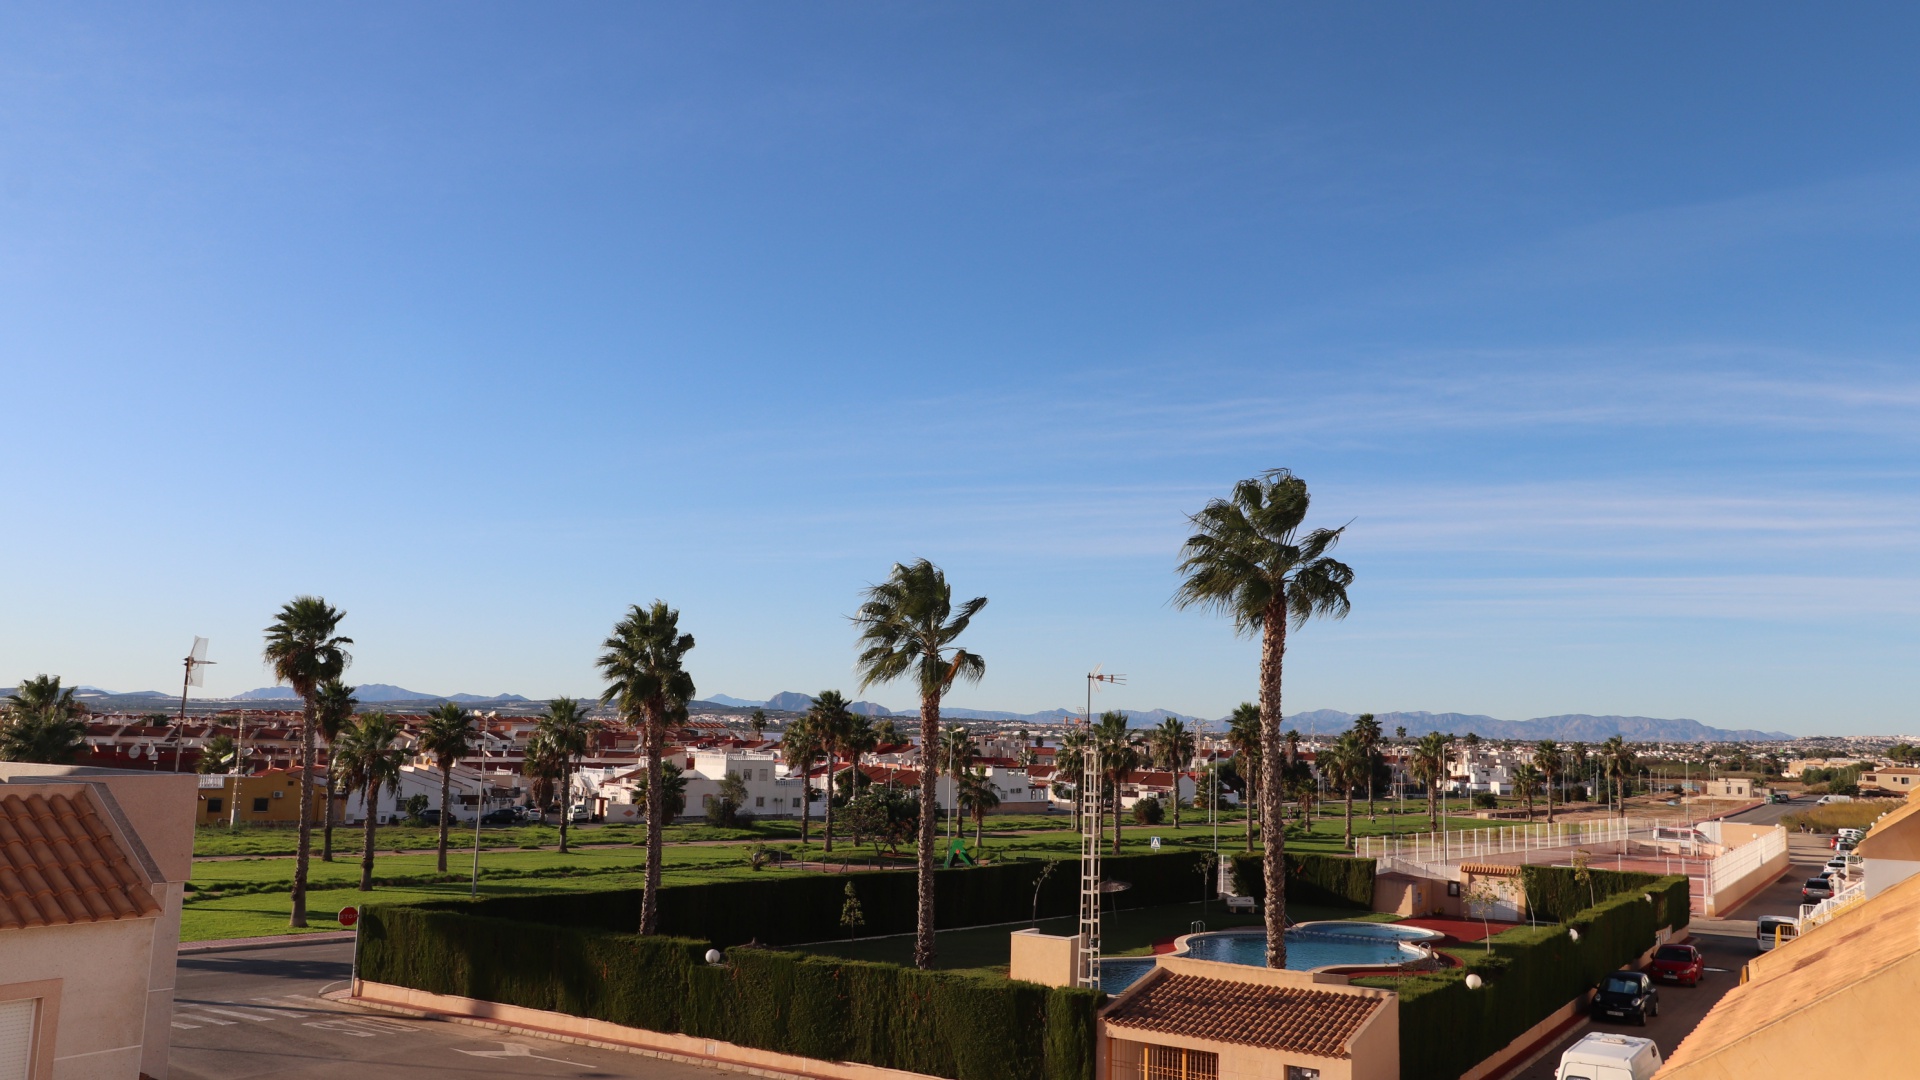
(1122, 933)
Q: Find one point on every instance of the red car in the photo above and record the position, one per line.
(1679, 963)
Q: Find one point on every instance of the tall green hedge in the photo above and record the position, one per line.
(791, 909)
(1555, 892)
(964, 1026)
(1447, 1029)
(1330, 880)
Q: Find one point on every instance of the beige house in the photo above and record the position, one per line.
(92, 865)
(1728, 788)
(1202, 1020)
(1898, 780)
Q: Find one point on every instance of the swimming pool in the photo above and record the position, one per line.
(1309, 945)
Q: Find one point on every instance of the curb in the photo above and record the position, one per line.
(281, 941)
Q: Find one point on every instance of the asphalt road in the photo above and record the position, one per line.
(1771, 813)
(1727, 944)
(259, 1013)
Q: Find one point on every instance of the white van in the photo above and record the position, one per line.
(1829, 800)
(1605, 1056)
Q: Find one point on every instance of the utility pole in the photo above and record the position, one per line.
(1092, 829)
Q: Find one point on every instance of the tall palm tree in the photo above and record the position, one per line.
(1546, 758)
(334, 710)
(908, 626)
(43, 723)
(541, 764)
(1173, 747)
(1243, 734)
(799, 745)
(1367, 730)
(644, 663)
(369, 758)
(1118, 752)
(1429, 766)
(1617, 759)
(956, 757)
(217, 756)
(978, 796)
(567, 733)
(1527, 779)
(757, 720)
(830, 718)
(1249, 559)
(449, 736)
(305, 651)
(886, 732)
(1070, 767)
(1345, 764)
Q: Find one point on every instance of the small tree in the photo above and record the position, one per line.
(1482, 893)
(851, 916)
(1147, 811)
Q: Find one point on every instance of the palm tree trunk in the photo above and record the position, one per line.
(806, 804)
(1549, 798)
(326, 841)
(1176, 800)
(366, 844)
(1116, 813)
(656, 807)
(566, 799)
(1249, 800)
(923, 950)
(304, 850)
(826, 831)
(979, 819)
(446, 793)
(1273, 648)
(1349, 818)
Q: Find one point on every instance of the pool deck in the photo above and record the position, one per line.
(1460, 930)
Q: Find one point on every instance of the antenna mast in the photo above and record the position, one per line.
(1092, 824)
(196, 659)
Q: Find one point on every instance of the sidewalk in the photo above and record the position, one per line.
(318, 937)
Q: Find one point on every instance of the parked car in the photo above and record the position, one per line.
(1769, 929)
(1836, 865)
(1815, 889)
(1627, 995)
(1828, 800)
(430, 817)
(1604, 1054)
(506, 815)
(1679, 963)
(1779, 797)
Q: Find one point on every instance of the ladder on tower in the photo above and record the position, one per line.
(1091, 835)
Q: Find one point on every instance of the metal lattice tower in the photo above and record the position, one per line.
(1092, 819)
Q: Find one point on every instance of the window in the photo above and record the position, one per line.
(1301, 1072)
(16, 1037)
(759, 800)
(1178, 1063)
(706, 801)
(763, 774)
(796, 802)
(213, 805)
(259, 806)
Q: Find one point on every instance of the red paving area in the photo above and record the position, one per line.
(1462, 930)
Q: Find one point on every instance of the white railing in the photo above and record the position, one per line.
(1745, 859)
(1453, 846)
(1812, 915)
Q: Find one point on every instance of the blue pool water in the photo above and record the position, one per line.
(1310, 945)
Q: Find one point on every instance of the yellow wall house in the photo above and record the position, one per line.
(92, 868)
(1840, 998)
(271, 797)
(1202, 1020)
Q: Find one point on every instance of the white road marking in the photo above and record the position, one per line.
(256, 1017)
(279, 1004)
(362, 1027)
(189, 1027)
(520, 1050)
(204, 1019)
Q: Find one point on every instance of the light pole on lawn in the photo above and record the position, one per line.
(479, 811)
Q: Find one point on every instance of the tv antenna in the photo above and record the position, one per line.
(196, 659)
(1092, 824)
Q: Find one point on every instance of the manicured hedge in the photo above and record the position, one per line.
(965, 1026)
(792, 909)
(1554, 892)
(1447, 1029)
(1329, 880)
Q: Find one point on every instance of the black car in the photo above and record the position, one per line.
(504, 816)
(1626, 995)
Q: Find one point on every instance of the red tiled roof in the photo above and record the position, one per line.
(1316, 1022)
(59, 864)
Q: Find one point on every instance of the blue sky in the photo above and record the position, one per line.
(484, 321)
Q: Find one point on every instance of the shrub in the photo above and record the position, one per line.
(947, 1024)
(1485, 801)
(1148, 812)
(1334, 880)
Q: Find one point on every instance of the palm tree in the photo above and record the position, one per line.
(757, 720)
(1248, 558)
(1527, 779)
(369, 758)
(908, 626)
(566, 732)
(956, 757)
(335, 705)
(886, 732)
(1429, 766)
(645, 668)
(218, 755)
(674, 790)
(43, 723)
(449, 736)
(833, 722)
(541, 764)
(1070, 767)
(1367, 730)
(979, 796)
(1118, 752)
(799, 745)
(1346, 766)
(1546, 758)
(305, 651)
(1243, 734)
(1173, 745)
(1617, 758)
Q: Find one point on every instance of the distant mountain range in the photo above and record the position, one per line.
(381, 694)
(1573, 727)
(792, 701)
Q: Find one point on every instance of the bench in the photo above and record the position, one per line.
(1240, 903)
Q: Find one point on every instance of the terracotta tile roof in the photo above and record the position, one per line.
(60, 864)
(1316, 1022)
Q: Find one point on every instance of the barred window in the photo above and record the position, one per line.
(1179, 1063)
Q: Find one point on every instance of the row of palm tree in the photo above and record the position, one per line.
(42, 723)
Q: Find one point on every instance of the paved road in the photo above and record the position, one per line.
(1771, 813)
(240, 1015)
